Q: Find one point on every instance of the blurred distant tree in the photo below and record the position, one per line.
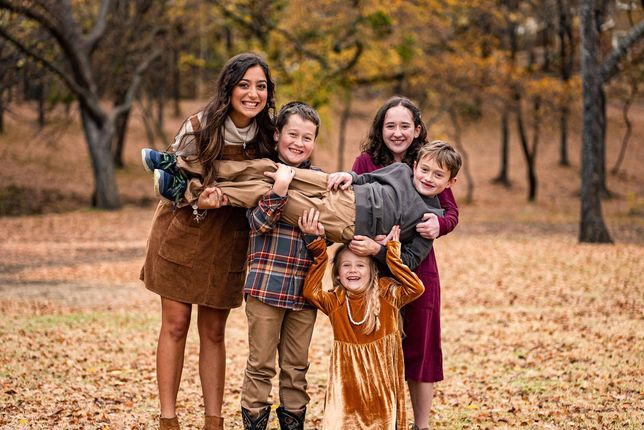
(121, 50)
(566, 59)
(626, 89)
(10, 60)
(78, 32)
(596, 73)
(500, 92)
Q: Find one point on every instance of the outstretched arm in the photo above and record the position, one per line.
(313, 291)
(411, 286)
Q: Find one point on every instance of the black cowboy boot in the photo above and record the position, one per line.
(291, 420)
(252, 422)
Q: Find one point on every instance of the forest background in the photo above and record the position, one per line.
(542, 328)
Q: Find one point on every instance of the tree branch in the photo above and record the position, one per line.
(610, 66)
(57, 70)
(65, 36)
(31, 13)
(268, 28)
(91, 39)
(134, 85)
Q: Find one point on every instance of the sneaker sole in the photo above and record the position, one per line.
(158, 181)
(146, 161)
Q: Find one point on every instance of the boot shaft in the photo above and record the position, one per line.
(290, 420)
(255, 422)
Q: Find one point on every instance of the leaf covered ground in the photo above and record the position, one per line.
(538, 331)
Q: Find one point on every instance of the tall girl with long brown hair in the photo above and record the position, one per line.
(396, 134)
(197, 255)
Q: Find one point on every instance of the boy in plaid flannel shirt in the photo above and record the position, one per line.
(279, 319)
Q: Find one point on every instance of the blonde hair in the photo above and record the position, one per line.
(444, 154)
(372, 293)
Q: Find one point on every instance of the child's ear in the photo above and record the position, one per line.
(276, 136)
(451, 182)
(417, 131)
(414, 168)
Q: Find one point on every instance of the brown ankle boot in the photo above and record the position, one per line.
(169, 423)
(213, 423)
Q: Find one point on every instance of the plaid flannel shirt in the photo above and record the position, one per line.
(278, 259)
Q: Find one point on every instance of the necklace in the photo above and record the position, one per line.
(366, 314)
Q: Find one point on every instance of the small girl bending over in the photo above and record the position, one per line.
(366, 387)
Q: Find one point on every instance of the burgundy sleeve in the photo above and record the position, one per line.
(448, 222)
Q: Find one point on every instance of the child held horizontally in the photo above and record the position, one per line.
(280, 321)
(366, 384)
(394, 195)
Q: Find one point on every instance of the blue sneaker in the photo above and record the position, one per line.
(153, 160)
(169, 186)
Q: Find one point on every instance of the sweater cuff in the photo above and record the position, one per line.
(309, 238)
(381, 256)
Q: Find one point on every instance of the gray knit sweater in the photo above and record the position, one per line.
(387, 197)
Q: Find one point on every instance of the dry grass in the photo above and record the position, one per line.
(538, 330)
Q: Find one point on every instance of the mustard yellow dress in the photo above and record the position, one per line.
(365, 388)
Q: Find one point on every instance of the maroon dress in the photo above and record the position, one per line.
(422, 343)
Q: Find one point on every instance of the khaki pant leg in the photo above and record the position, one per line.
(295, 339)
(337, 212)
(264, 325)
(337, 208)
(244, 183)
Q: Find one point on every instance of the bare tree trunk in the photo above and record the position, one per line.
(344, 119)
(145, 106)
(40, 100)
(564, 113)
(149, 132)
(469, 196)
(603, 188)
(566, 47)
(176, 83)
(158, 124)
(592, 227)
(629, 127)
(120, 125)
(527, 153)
(1, 112)
(503, 178)
(99, 141)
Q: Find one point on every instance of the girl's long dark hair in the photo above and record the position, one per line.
(375, 144)
(210, 137)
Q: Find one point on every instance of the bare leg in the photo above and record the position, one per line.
(175, 321)
(421, 394)
(212, 357)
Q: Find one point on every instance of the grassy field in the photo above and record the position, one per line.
(538, 331)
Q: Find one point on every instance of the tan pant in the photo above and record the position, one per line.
(192, 167)
(244, 183)
(287, 332)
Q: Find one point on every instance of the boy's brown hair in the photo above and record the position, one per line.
(305, 111)
(444, 154)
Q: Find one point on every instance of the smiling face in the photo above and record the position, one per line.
(430, 178)
(354, 272)
(398, 131)
(248, 97)
(295, 141)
